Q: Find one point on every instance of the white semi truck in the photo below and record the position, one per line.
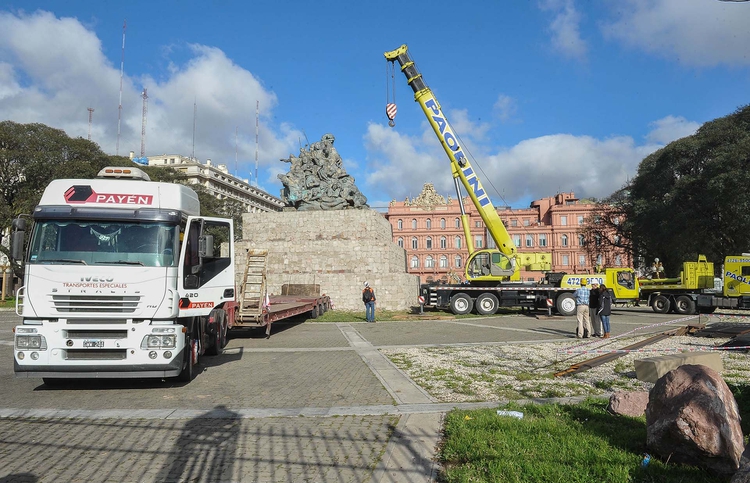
(123, 279)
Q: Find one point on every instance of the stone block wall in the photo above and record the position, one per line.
(337, 249)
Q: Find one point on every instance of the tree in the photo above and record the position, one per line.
(691, 197)
(606, 234)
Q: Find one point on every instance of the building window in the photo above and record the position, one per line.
(565, 260)
(429, 224)
(529, 240)
(580, 220)
(598, 260)
(414, 244)
(542, 240)
(428, 243)
(457, 261)
(617, 240)
(458, 242)
(564, 240)
(400, 224)
(478, 241)
(442, 223)
(513, 222)
(443, 261)
(458, 223)
(414, 224)
(618, 260)
(443, 242)
(616, 220)
(563, 220)
(517, 240)
(581, 241)
(581, 260)
(401, 242)
(429, 262)
(414, 262)
(598, 240)
(526, 222)
(478, 224)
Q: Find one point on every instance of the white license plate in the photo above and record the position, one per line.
(93, 343)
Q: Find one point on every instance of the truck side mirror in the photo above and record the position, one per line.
(206, 246)
(18, 239)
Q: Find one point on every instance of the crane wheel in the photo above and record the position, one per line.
(661, 304)
(461, 304)
(684, 305)
(487, 304)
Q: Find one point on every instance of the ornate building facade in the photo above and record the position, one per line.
(429, 228)
(217, 180)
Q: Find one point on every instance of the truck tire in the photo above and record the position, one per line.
(660, 304)
(314, 313)
(566, 304)
(217, 339)
(188, 373)
(487, 304)
(684, 305)
(461, 304)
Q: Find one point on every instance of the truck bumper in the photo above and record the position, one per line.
(100, 371)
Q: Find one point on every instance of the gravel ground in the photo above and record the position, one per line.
(525, 371)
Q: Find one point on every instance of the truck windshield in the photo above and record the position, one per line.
(104, 243)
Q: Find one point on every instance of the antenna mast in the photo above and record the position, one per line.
(257, 115)
(91, 115)
(143, 123)
(122, 69)
(195, 110)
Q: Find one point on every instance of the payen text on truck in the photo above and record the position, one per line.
(123, 279)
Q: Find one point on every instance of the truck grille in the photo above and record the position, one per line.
(96, 303)
(96, 354)
(97, 334)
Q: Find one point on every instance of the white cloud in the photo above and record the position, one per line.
(671, 128)
(565, 29)
(399, 165)
(52, 69)
(693, 32)
(504, 108)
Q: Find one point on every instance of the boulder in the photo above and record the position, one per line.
(628, 403)
(692, 418)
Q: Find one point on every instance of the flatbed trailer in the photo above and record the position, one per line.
(257, 308)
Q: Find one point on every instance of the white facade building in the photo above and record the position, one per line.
(215, 178)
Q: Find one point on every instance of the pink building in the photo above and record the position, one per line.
(429, 228)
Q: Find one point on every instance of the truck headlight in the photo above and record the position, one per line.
(157, 341)
(31, 342)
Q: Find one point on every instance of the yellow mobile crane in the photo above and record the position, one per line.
(485, 265)
(492, 275)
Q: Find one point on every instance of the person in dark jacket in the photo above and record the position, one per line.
(368, 297)
(596, 324)
(605, 309)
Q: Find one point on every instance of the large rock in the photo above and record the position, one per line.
(743, 474)
(692, 418)
(628, 403)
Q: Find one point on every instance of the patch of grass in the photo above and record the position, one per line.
(9, 303)
(571, 443)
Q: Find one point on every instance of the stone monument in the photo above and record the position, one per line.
(317, 180)
(328, 236)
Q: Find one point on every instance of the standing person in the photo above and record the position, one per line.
(368, 297)
(605, 309)
(594, 309)
(582, 310)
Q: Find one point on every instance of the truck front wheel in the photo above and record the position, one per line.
(566, 304)
(461, 304)
(660, 304)
(684, 305)
(487, 304)
(217, 337)
(191, 346)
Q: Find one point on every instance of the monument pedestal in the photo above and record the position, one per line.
(337, 249)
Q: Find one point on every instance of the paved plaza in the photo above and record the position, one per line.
(317, 402)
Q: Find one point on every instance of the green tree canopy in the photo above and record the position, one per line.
(692, 196)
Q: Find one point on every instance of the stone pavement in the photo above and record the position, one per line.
(316, 402)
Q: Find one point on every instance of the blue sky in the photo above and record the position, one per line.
(549, 96)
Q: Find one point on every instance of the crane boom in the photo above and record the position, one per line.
(461, 169)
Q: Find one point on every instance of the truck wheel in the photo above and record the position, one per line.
(487, 304)
(684, 305)
(217, 339)
(314, 313)
(660, 304)
(461, 304)
(187, 363)
(566, 304)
